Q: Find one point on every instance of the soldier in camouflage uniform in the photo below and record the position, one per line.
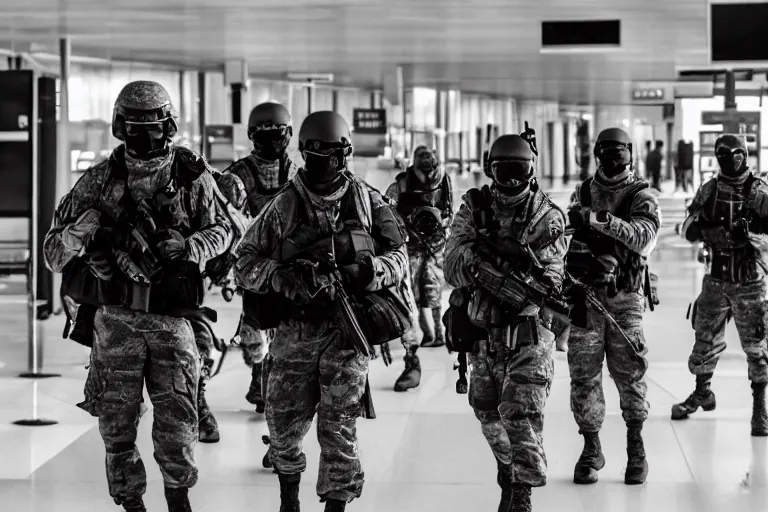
(616, 221)
(263, 173)
(730, 215)
(313, 366)
(512, 369)
(141, 334)
(423, 197)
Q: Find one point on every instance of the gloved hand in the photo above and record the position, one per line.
(99, 264)
(740, 232)
(110, 238)
(715, 235)
(231, 187)
(358, 275)
(77, 235)
(289, 282)
(172, 245)
(129, 268)
(578, 217)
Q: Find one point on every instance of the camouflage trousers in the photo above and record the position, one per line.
(747, 304)
(588, 347)
(426, 278)
(508, 392)
(205, 346)
(254, 343)
(311, 367)
(130, 349)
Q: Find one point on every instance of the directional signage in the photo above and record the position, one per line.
(370, 120)
(648, 94)
(730, 118)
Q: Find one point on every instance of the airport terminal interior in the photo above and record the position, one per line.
(446, 76)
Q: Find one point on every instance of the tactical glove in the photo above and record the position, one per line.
(578, 217)
(358, 275)
(77, 235)
(289, 282)
(740, 232)
(172, 245)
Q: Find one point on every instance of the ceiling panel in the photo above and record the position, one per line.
(484, 46)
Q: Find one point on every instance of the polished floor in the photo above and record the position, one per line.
(425, 451)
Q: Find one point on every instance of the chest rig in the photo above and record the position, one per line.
(587, 246)
(724, 207)
(419, 208)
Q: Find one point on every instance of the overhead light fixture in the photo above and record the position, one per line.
(560, 50)
(318, 78)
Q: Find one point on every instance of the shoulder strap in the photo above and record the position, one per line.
(625, 208)
(585, 195)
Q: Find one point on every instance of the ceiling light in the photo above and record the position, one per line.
(602, 48)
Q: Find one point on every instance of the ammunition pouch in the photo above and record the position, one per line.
(265, 310)
(387, 315)
(179, 286)
(79, 283)
(502, 286)
(461, 333)
(735, 265)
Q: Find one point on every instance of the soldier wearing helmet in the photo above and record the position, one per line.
(251, 182)
(325, 219)
(730, 214)
(423, 197)
(616, 222)
(511, 345)
(145, 289)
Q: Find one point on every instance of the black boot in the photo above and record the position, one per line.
(134, 505)
(637, 466)
(521, 498)
(335, 505)
(702, 397)
(289, 492)
(265, 462)
(759, 413)
(591, 460)
(411, 376)
(503, 478)
(178, 499)
(208, 428)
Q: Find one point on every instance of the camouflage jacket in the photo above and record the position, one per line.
(639, 232)
(537, 222)
(212, 232)
(257, 252)
(267, 181)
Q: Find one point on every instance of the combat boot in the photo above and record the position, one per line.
(178, 499)
(134, 505)
(254, 390)
(637, 465)
(289, 492)
(702, 397)
(208, 428)
(521, 498)
(411, 376)
(591, 460)
(335, 505)
(759, 413)
(436, 336)
(265, 462)
(503, 478)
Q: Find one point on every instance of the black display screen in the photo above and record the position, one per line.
(739, 32)
(16, 116)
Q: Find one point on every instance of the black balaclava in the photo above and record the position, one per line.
(614, 157)
(425, 166)
(511, 176)
(270, 143)
(146, 137)
(731, 153)
(323, 166)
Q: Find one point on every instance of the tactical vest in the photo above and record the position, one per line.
(632, 266)
(178, 285)
(411, 200)
(723, 208)
(258, 194)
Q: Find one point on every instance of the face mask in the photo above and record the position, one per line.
(614, 159)
(732, 161)
(323, 168)
(145, 139)
(270, 144)
(511, 174)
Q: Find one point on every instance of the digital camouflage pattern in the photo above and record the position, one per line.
(132, 348)
(588, 347)
(311, 366)
(721, 299)
(508, 390)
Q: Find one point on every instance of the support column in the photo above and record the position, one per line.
(401, 100)
(201, 108)
(64, 173)
(335, 100)
(181, 107)
(310, 96)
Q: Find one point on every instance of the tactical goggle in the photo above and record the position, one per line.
(614, 145)
(724, 151)
(318, 147)
(506, 170)
(155, 129)
(270, 131)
